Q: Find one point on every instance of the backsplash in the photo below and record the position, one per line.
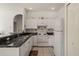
(30, 30)
(33, 30)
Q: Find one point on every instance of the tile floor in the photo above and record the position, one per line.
(44, 51)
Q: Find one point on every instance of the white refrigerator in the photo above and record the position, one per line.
(59, 37)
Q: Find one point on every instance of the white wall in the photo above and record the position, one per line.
(72, 28)
(25, 16)
(6, 17)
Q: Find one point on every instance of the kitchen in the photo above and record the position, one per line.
(29, 27)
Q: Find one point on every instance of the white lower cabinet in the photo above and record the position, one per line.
(34, 38)
(46, 40)
(22, 50)
(26, 48)
(43, 40)
(51, 40)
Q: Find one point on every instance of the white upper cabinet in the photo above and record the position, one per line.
(37, 18)
(31, 23)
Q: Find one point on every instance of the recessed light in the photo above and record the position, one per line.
(30, 8)
(52, 8)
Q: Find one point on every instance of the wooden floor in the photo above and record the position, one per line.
(44, 51)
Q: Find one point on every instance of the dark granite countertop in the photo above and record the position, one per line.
(14, 40)
(17, 42)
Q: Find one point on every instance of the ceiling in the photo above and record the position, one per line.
(37, 6)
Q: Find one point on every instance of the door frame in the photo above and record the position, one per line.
(66, 30)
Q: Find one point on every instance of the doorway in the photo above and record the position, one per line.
(18, 23)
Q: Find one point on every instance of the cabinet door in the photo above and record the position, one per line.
(30, 44)
(51, 40)
(26, 48)
(31, 23)
(42, 40)
(22, 50)
(34, 38)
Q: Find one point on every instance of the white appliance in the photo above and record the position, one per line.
(42, 38)
(59, 37)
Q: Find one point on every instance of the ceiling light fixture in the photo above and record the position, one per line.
(30, 8)
(52, 8)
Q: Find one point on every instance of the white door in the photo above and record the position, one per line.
(72, 22)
